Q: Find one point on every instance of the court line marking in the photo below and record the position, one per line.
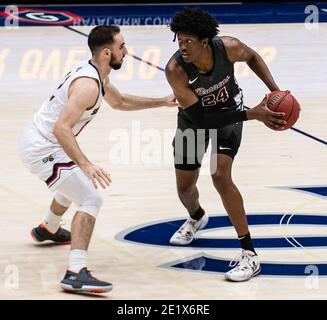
(288, 236)
(111, 245)
(161, 69)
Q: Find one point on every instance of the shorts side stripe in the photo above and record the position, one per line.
(57, 170)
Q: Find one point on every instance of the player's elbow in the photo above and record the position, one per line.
(59, 130)
(116, 103)
(56, 130)
(118, 106)
(252, 57)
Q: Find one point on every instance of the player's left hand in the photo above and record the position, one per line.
(170, 101)
(271, 125)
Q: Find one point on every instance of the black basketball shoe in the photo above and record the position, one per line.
(84, 282)
(41, 233)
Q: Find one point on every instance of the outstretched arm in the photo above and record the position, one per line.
(127, 102)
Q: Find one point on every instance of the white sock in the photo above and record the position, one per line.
(77, 260)
(52, 221)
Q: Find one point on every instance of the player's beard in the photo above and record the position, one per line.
(114, 63)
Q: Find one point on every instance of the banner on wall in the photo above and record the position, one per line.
(152, 14)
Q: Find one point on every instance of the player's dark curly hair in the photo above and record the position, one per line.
(195, 21)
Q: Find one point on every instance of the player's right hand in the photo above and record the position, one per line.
(262, 113)
(97, 175)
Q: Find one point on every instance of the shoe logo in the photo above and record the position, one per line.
(72, 278)
(224, 148)
(191, 81)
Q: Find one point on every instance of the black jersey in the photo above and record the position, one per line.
(217, 89)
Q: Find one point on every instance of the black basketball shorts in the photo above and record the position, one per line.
(190, 143)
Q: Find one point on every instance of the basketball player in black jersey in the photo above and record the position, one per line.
(201, 74)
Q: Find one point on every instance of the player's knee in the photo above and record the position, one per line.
(221, 180)
(91, 204)
(62, 200)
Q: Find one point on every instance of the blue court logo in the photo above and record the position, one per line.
(159, 233)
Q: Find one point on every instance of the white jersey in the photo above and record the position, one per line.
(51, 109)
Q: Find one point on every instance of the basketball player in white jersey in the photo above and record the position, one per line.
(49, 149)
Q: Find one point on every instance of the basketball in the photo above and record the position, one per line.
(283, 101)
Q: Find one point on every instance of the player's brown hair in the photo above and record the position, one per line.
(101, 36)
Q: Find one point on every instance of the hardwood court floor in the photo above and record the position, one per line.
(136, 148)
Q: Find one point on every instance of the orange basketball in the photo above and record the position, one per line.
(283, 101)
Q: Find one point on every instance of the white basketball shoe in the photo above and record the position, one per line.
(186, 233)
(246, 266)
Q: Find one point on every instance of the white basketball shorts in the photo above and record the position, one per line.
(44, 158)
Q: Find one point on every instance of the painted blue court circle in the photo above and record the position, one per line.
(159, 234)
